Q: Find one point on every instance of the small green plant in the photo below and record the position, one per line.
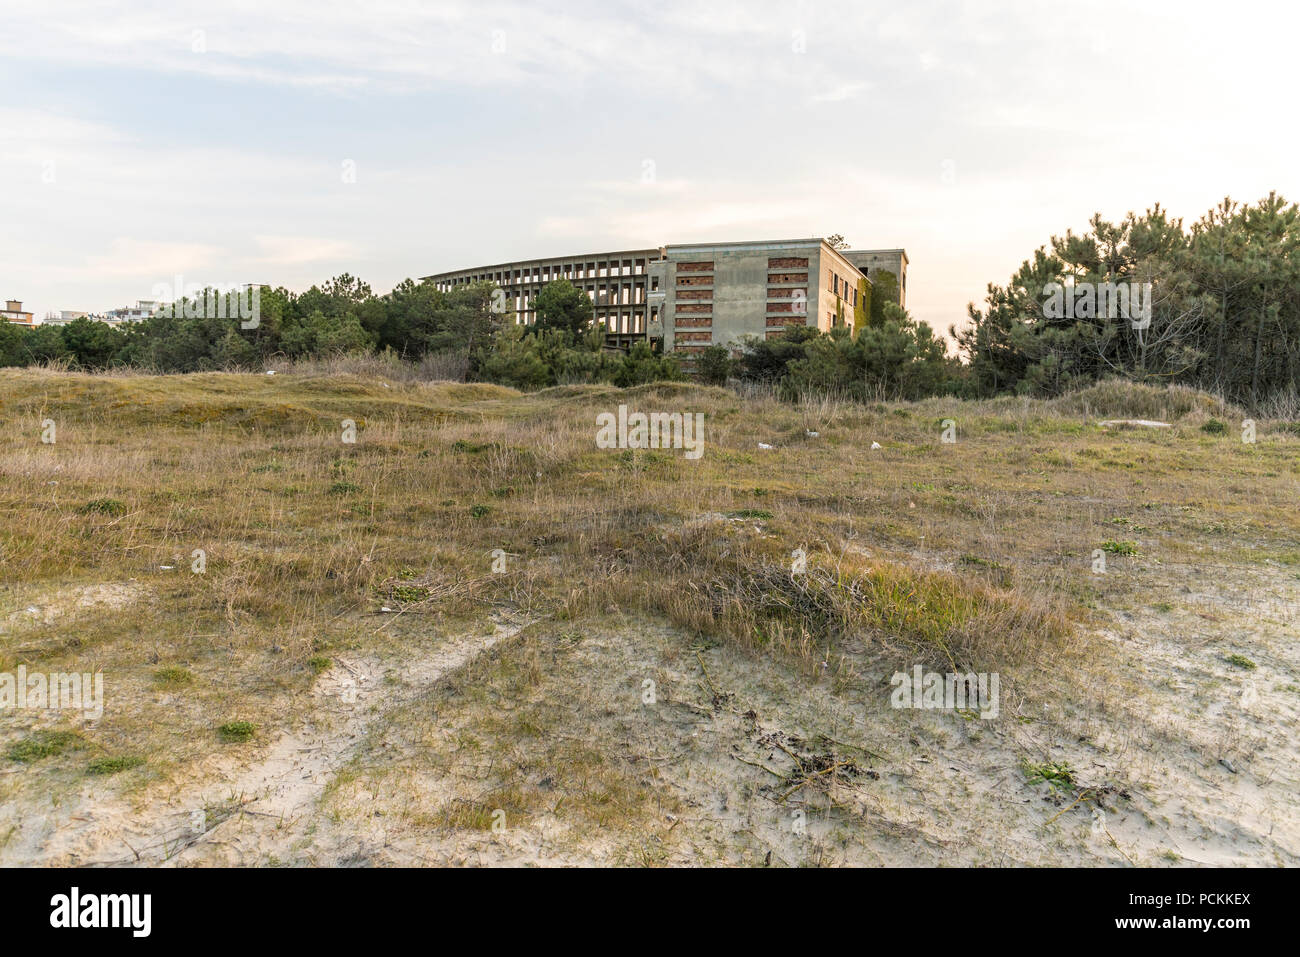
(319, 663)
(409, 593)
(760, 513)
(112, 765)
(344, 488)
(460, 445)
(1119, 548)
(43, 744)
(1240, 661)
(172, 677)
(1214, 427)
(478, 511)
(1058, 774)
(103, 506)
(236, 732)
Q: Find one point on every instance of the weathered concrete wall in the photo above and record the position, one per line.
(739, 296)
(872, 261)
(837, 288)
(718, 294)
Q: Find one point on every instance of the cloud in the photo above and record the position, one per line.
(398, 45)
(845, 91)
(299, 250)
(146, 259)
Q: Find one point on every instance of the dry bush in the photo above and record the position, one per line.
(1122, 399)
(450, 366)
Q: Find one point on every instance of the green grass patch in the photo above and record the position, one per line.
(172, 677)
(235, 732)
(43, 744)
(114, 764)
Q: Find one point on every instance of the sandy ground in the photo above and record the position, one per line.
(1181, 757)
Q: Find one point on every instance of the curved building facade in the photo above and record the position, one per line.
(690, 296)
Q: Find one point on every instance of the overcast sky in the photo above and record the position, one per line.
(287, 142)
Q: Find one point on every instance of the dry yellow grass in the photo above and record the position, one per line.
(976, 555)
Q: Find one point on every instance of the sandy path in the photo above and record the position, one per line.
(242, 812)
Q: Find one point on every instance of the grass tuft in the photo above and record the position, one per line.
(172, 678)
(113, 765)
(235, 732)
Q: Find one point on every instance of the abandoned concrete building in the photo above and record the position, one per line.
(688, 297)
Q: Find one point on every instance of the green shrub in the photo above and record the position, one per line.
(1058, 774)
(713, 365)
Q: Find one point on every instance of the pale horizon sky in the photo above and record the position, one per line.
(215, 141)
